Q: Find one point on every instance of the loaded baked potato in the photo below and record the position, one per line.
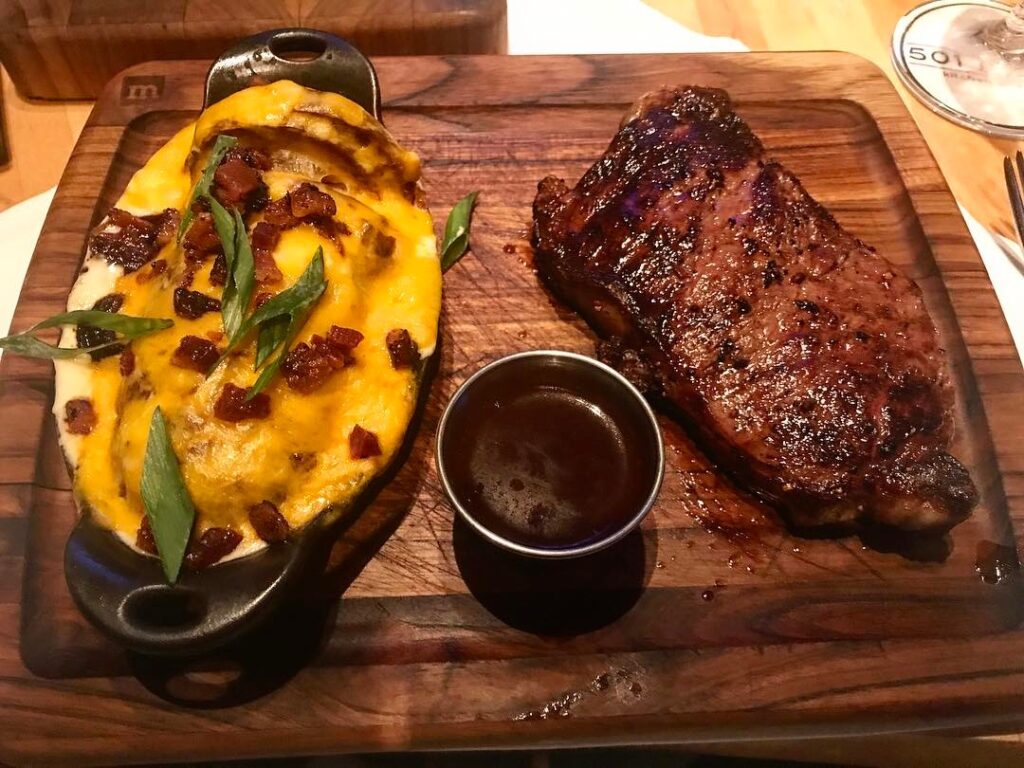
(305, 172)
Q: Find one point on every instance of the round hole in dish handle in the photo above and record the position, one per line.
(298, 46)
(162, 607)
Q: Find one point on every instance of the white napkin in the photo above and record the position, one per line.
(19, 229)
(602, 26)
(553, 27)
(1005, 266)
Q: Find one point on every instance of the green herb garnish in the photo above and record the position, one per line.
(307, 289)
(28, 345)
(295, 322)
(272, 333)
(202, 187)
(456, 231)
(165, 498)
(241, 269)
(224, 223)
(276, 333)
(280, 319)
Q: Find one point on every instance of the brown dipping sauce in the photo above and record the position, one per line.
(549, 454)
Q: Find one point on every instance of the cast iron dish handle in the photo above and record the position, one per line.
(329, 64)
(124, 593)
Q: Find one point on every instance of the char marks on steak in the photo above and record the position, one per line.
(806, 363)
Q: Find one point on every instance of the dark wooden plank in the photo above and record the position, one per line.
(441, 642)
(69, 49)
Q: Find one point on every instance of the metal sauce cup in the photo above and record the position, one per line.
(599, 391)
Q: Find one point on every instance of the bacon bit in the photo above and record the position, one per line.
(192, 304)
(307, 200)
(201, 239)
(331, 229)
(265, 236)
(90, 336)
(237, 182)
(144, 538)
(279, 213)
(167, 224)
(80, 416)
(264, 239)
(196, 354)
(121, 218)
(215, 336)
(402, 349)
(362, 443)
(262, 298)
(308, 366)
(187, 277)
(126, 363)
(253, 157)
(306, 204)
(137, 240)
(268, 523)
(344, 340)
(234, 183)
(219, 271)
(305, 369)
(214, 545)
(155, 269)
(232, 405)
(112, 302)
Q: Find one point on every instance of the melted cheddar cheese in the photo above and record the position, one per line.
(298, 458)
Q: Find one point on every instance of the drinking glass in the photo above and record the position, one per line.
(965, 60)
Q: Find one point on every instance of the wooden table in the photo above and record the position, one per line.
(972, 163)
(41, 135)
(40, 138)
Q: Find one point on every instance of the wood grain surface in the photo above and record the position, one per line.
(712, 622)
(42, 135)
(970, 161)
(69, 49)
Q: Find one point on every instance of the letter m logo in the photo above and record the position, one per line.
(137, 88)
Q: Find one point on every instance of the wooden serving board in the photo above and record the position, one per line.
(712, 622)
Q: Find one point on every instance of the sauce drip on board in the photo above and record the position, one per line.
(549, 457)
(996, 562)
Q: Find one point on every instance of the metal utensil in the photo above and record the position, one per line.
(1013, 188)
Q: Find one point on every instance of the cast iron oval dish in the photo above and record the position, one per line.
(312, 168)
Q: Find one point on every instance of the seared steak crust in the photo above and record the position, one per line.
(805, 362)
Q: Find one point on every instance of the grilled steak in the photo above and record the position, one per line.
(805, 363)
